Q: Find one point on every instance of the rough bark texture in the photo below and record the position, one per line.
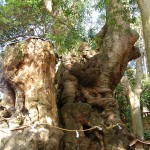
(84, 99)
(29, 91)
(85, 83)
(83, 103)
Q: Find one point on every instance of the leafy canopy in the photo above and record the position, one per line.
(69, 23)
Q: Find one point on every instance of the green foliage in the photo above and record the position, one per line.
(130, 73)
(120, 95)
(147, 135)
(145, 95)
(21, 18)
(76, 15)
(91, 38)
(133, 10)
(124, 106)
(29, 17)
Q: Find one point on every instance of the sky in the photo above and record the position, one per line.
(2, 2)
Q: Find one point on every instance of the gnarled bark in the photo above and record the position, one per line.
(84, 103)
(85, 85)
(29, 72)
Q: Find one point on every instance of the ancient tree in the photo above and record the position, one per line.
(84, 83)
(29, 96)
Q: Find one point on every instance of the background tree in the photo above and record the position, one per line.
(133, 95)
(134, 82)
(144, 6)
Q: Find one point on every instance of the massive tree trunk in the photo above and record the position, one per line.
(86, 86)
(85, 81)
(144, 6)
(29, 91)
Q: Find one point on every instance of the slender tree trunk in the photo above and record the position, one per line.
(144, 6)
(134, 98)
